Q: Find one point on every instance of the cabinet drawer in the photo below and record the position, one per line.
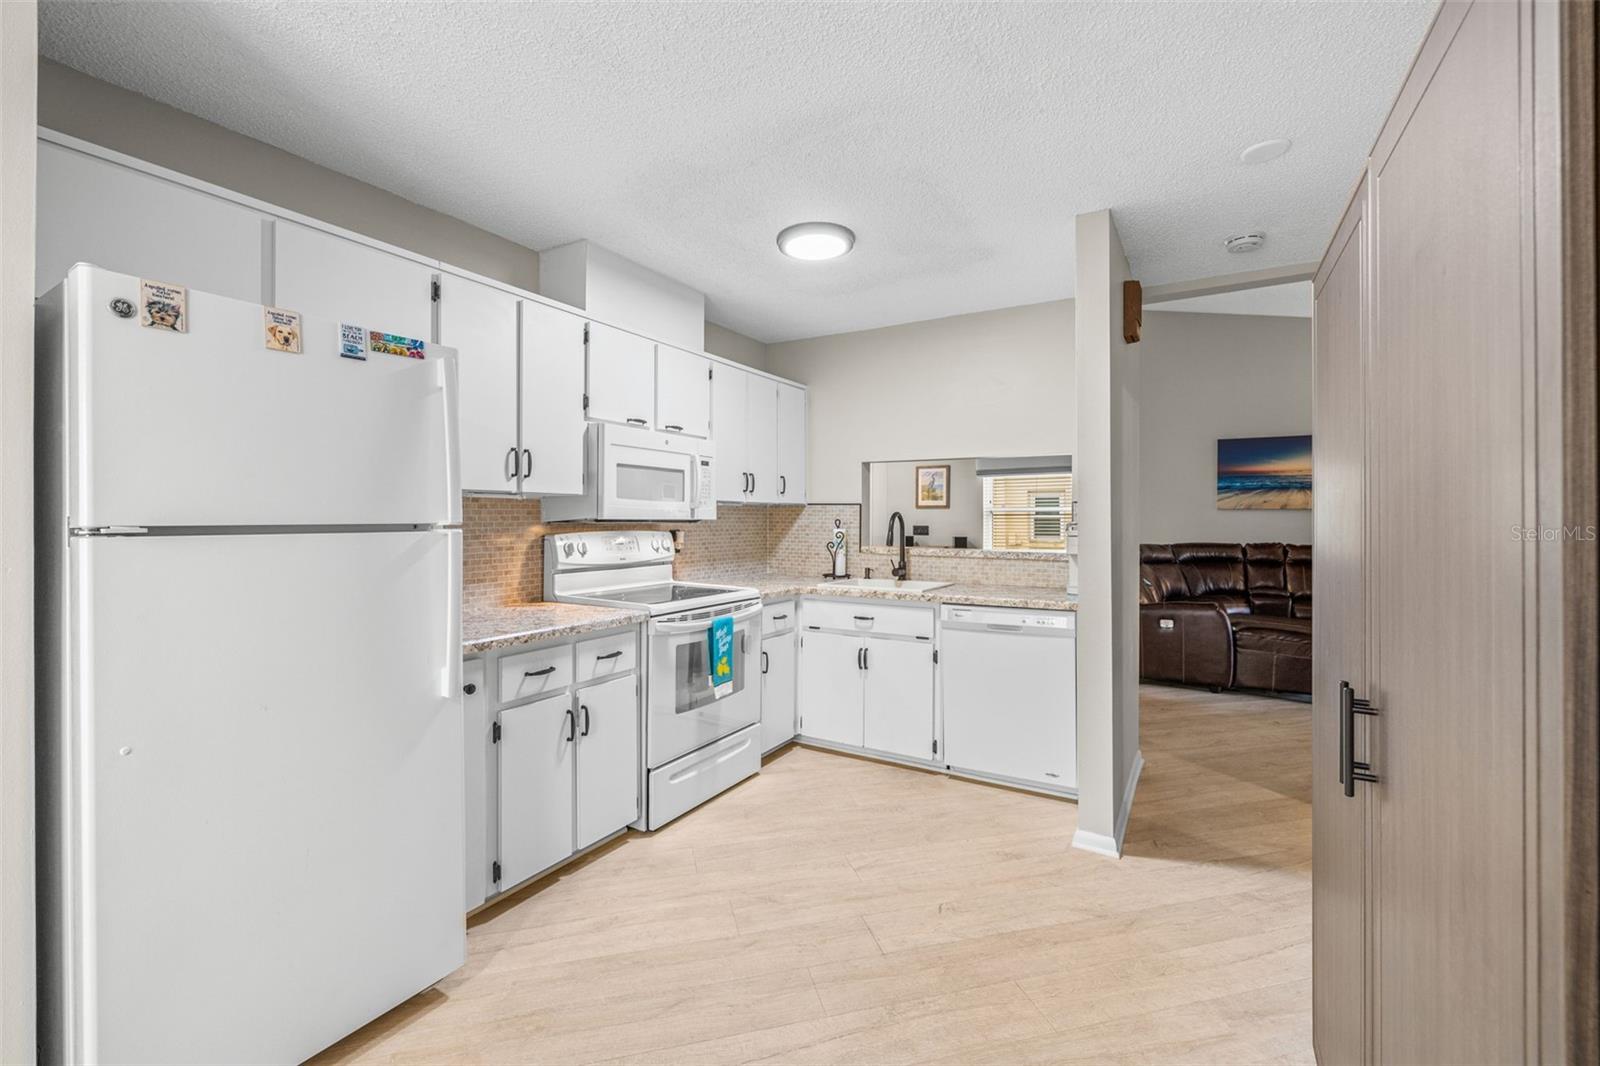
(778, 618)
(866, 616)
(606, 657)
(535, 673)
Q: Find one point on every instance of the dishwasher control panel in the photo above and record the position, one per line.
(1007, 618)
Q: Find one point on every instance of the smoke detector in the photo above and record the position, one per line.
(1245, 242)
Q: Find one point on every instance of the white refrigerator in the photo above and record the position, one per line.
(249, 731)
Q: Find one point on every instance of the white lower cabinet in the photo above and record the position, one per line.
(832, 686)
(899, 697)
(608, 758)
(537, 764)
(778, 706)
(557, 768)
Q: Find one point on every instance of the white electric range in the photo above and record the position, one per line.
(696, 743)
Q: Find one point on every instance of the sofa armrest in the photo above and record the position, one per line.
(1187, 642)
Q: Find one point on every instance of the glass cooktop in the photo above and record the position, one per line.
(654, 595)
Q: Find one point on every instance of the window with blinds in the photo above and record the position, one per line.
(1028, 512)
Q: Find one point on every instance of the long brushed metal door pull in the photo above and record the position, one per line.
(539, 673)
(1351, 771)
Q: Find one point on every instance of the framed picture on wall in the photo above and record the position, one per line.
(933, 486)
(1264, 474)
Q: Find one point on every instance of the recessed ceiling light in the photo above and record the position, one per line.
(1265, 151)
(1245, 242)
(816, 240)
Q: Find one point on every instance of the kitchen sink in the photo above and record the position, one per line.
(883, 583)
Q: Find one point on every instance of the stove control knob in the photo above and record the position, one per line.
(583, 548)
(566, 548)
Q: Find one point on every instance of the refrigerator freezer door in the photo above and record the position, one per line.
(213, 428)
(270, 834)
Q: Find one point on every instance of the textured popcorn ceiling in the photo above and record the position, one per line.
(958, 140)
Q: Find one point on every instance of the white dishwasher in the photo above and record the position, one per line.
(1010, 695)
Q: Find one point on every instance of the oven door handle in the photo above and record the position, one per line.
(701, 624)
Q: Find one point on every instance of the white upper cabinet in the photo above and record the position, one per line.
(480, 322)
(729, 400)
(621, 376)
(791, 444)
(94, 211)
(318, 273)
(551, 448)
(761, 438)
(683, 392)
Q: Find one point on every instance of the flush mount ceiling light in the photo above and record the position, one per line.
(816, 240)
(1245, 242)
(1265, 151)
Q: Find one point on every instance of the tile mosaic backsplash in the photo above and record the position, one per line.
(503, 541)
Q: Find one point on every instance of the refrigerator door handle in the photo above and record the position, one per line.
(446, 364)
(452, 626)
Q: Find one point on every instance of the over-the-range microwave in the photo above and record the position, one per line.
(633, 474)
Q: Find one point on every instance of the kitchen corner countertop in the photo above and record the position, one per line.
(491, 628)
(782, 586)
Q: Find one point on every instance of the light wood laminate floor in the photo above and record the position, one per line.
(838, 910)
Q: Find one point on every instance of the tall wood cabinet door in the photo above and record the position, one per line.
(831, 688)
(622, 376)
(899, 704)
(683, 392)
(537, 744)
(1339, 963)
(729, 424)
(1447, 492)
(761, 437)
(317, 273)
(552, 401)
(791, 444)
(480, 322)
(95, 211)
(608, 757)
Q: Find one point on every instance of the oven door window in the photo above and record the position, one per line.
(692, 677)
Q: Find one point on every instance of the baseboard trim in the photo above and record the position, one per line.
(1111, 846)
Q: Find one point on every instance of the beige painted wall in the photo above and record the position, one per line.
(1202, 377)
(892, 487)
(720, 340)
(992, 383)
(74, 103)
(18, 51)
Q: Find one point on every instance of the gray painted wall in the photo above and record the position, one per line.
(1207, 376)
(893, 487)
(74, 103)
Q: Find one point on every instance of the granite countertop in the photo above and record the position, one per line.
(781, 586)
(490, 628)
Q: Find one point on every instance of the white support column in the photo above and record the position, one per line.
(1106, 479)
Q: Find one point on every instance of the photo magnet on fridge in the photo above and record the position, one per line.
(163, 306)
(283, 329)
(390, 344)
(352, 341)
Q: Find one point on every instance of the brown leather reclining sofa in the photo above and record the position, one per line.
(1226, 615)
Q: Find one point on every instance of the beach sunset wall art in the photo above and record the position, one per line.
(1264, 474)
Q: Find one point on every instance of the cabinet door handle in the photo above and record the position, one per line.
(572, 725)
(585, 709)
(859, 664)
(752, 483)
(638, 421)
(469, 688)
(783, 485)
(862, 617)
(763, 662)
(672, 427)
(527, 462)
(866, 660)
(511, 464)
(779, 617)
(1351, 771)
(609, 655)
(539, 673)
